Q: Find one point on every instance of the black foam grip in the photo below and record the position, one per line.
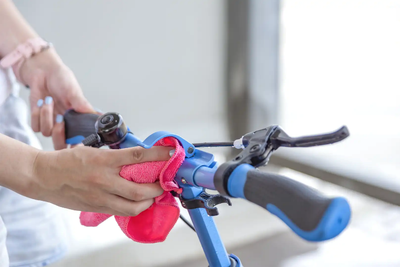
(82, 124)
(303, 205)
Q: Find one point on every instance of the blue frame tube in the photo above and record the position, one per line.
(206, 231)
(208, 234)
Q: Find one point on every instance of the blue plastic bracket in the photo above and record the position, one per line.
(132, 140)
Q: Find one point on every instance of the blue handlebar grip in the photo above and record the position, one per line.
(78, 126)
(309, 214)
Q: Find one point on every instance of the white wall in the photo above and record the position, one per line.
(159, 63)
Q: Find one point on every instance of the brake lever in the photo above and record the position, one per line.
(280, 138)
(259, 145)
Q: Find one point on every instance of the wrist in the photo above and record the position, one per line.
(21, 175)
(14, 40)
(37, 169)
(22, 167)
(36, 66)
(30, 50)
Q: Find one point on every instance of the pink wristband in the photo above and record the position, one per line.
(22, 52)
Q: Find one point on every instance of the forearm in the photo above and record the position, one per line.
(14, 30)
(16, 164)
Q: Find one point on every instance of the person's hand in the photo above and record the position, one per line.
(87, 179)
(54, 90)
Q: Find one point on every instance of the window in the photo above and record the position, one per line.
(340, 64)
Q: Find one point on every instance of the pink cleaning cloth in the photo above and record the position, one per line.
(154, 224)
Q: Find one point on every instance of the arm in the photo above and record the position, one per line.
(14, 30)
(54, 88)
(16, 164)
(83, 178)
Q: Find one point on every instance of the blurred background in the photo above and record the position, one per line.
(215, 70)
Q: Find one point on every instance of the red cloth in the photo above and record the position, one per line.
(154, 224)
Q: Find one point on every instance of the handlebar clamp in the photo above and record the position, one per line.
(257, 150)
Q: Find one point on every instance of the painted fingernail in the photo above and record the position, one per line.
(171, 152)
(98, 110)
(40, 103)
(48, 100)
(59, 118)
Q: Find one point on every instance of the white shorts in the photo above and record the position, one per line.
(32, 233)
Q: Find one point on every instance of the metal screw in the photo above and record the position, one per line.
(183, 180)
(254, 148)
(190, 150)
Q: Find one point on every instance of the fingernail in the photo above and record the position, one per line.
(48, 100)
(40, 103)
(59, 118)
(171, 152)
(98, 110)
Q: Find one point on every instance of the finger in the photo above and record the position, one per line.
(36, 101)
(134, 191)
(35, 116)
(70, 93)
(111, 212)
(77, 145)
(58, 108)
(58, 133)
(79, 102)
(136, 155)
(82, 105)
(124, 206)
(98, 111)
(46, 116)
(104, 210)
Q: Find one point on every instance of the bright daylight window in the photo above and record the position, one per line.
(340, 65)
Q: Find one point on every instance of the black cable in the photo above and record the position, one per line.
(214, 144)
(187, 222)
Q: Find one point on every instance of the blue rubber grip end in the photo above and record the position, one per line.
(333, 222)
(238, 179)
(75, 140)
